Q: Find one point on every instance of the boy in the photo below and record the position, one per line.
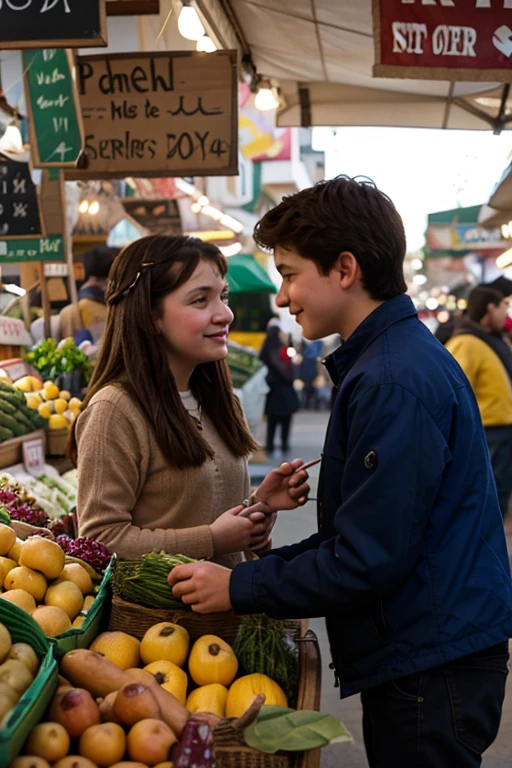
(409, 566)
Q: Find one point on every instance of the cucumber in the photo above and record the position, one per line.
(5, 434)
(23, 420)
(6, 407)
(11, 423)
(37, 421)
(12, 399)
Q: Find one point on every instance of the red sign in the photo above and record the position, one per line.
(443, 39)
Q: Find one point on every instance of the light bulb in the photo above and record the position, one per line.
(266, 100)
(203, 200)
(83, 207)
(94, 208)
(11, 141)
(432, 304)
(195, 208)
(206, 44)
(189, 23)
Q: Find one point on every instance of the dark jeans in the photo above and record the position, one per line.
(445, 717)
(501, 460)
(272, 424)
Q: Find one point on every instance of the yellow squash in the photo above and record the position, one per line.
(212, 661)
(165, 641)
(244, 690)
(209, 698)
(170, 677)
(120, 648)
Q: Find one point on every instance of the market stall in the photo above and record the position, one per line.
(143, 678)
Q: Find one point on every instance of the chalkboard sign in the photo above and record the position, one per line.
(159, 114)
(52, 23)
(19, 207)
(55, 120)
(49, 248)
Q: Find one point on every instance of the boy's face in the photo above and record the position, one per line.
(315, 300)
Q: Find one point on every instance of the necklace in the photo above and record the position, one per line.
(198, 419)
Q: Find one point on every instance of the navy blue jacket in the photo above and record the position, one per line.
(410, 565)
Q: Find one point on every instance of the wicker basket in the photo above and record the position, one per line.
(230, 748)
(137, 619)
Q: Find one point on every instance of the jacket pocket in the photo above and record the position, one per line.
(378, 621)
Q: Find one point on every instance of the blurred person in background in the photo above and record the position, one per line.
(310, 352)
(282, 400)
(486, 359)
(86, 321)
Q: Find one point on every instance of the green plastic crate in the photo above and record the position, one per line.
(84, 635)
(31, 707)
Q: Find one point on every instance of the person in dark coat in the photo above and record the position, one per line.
(282, 400)
(409, 566)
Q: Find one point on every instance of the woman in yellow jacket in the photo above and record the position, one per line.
(487, 362)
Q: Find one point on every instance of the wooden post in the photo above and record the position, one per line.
(68, 243)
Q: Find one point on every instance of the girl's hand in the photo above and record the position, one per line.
(233, 532)
(284, 488)
(263, 543)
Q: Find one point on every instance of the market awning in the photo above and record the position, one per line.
(322, 52)
(498, 210)
(245, 275)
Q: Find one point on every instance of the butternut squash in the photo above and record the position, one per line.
(100, 676)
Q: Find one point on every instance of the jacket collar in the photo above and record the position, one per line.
(342, 359)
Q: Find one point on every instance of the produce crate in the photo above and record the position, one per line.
(31, 707)
(57, 441)
(84, 635)
(11, 451)
(230, 748)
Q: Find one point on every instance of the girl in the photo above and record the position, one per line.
(161, 445)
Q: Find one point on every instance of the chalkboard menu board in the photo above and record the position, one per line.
(55, 119)
(19, 208)
(52, 23)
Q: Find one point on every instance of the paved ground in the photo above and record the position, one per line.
(307, 437)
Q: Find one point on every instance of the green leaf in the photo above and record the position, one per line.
(279, 728)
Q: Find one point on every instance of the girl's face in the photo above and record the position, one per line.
(195, 320)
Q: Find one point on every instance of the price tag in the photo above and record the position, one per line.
(33, 456)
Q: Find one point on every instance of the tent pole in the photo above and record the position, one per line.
(500, 123)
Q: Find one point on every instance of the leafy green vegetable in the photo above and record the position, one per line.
(279, 728)
(51, 359)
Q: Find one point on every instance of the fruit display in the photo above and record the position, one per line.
(19, 665)
(56, 408)
(111, 706)
(16, 418)
(52, 360)
(36, 578)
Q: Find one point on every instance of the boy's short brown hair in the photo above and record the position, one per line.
(342, 214)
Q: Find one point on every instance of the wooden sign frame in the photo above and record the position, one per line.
(81, 42)
(229, 169)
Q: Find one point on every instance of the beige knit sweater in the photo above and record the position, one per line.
(133, 501)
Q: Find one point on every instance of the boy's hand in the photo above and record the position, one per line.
(283, 488)
(203, 586)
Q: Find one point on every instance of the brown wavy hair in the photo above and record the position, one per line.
(133, 354)
(337, 215)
